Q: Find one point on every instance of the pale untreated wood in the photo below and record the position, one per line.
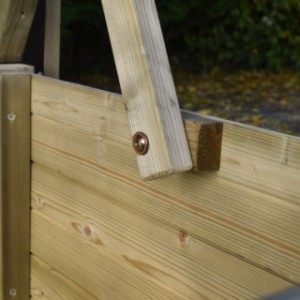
(15, 186)
(47, 283)
(15, 21)
(89, 265)
(52, 38)
(249, 208)
(165, 254)
(147, 85)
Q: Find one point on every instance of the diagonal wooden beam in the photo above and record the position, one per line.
(15, 22)
(147, 85)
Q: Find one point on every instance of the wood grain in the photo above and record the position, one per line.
(15, 22)
(15, 185)
(166, 255)
(205, 135)
(88, 265)
(47, 283)
(248, 209)
(147, 85)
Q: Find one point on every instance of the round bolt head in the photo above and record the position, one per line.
(11, 117)
(13, 292)
(140, 143)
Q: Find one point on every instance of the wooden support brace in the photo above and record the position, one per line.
(15, 96)
(147, 86)
(15, 22)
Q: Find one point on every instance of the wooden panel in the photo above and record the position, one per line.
(52, 38)
(47, 283)
(15, 185)
(88, 265)
(147, 85)
(225, 215)
(249, 208)
(182, 263)
(15, 21)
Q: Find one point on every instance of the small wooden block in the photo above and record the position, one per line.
(205, 141)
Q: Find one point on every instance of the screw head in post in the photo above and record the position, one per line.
(140, 143)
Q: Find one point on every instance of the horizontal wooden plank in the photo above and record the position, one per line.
(88, 265)
(250, 156)
(167, 255)
(89, 136)
(204, 135)
(47, 283)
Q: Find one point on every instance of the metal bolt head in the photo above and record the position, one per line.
(11, 117)
(140, 143)
(13, 292)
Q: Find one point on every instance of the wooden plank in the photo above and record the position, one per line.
(52, 38)
(195, 126)
(88, 265)
(15, 185)
(147, 85)
(219, 208)
(187, 266)
(226, 213)
(15, 21)
(47, 283)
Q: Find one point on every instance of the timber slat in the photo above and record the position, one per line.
(250, 208)
(47, 283)
(187, 265)
(87, 265)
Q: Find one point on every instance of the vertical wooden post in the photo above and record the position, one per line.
(15, 95)
(52, 38)
(15, 22)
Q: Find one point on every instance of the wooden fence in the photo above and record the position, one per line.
(99, 232)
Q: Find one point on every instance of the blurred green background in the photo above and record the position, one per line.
(236, 59)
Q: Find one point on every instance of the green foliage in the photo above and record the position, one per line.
(201, 35)
(85, 46)
(236, 34)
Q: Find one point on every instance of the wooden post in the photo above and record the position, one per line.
(52, 38)
(15, 21)
(43, 46)
(15, 95)
(147, 86)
